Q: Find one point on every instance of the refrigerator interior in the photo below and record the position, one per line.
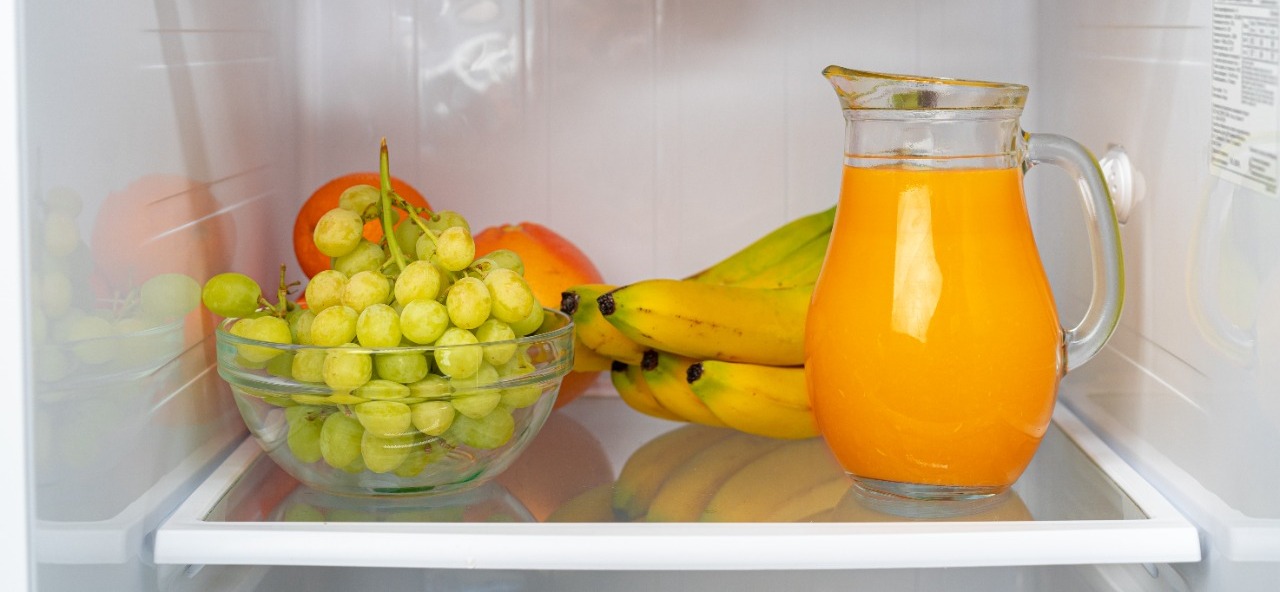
(659, 136)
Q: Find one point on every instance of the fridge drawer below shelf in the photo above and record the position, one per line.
(1077, 504)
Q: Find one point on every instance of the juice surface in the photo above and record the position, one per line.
(933, 348)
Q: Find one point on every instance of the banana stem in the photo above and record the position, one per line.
(384, 196)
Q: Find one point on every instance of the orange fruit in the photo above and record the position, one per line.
(324, 199)
(552, 264)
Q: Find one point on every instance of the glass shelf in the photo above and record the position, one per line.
(605, 488)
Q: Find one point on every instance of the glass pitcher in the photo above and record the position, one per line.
(933, 348)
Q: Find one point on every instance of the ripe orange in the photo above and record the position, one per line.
(552, 264)
(324, 199)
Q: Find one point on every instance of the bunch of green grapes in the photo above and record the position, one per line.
(78, 333)
(397, 410)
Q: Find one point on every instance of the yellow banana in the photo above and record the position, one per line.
(586, 359)
(768, 251)
(685, 494)
(789, 471)
(649, 466)
(808, 505)
(637, 396)
(799, 269)
(769, 401)
(579, 302)
(665, 375)
(699, 320)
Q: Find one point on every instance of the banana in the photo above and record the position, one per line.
(818, 500)
(648, 467)
(685, 494)
(637, 395)
(579, 302)
(768, 401)
(586, 359)
(665, 374)
(768, 251)
(706, 321)
(769, 482)
(800, 268)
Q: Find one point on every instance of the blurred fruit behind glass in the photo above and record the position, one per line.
(564, 461)
(552, 265)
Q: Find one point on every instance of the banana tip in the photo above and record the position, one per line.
(569, 303)
(694, 372)
(607, 305)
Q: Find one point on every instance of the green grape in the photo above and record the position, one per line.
(281, 365)
(407, 234)
(270, 329)
(361, 199)
(504, 259)
(231, 295)
(300, 320)
(493, 331)
(346, 370)
(420, 456)
(382, 389)
(87, 335)
(424, 321)
(383, 454)
(365, 289)
(424, 248)
(530, 324)
(340, 438)
(455, 249)
(486, 433)
(378, 326)
(169, 296)
(455, 355)
(468, 303)
(420, 280)
(433, 418)
(470, 395)
(63, 200)
(305, 423)
(334, 326)
(401, 367)
(338, 232)
(367, 256)
(303, 513)
(325, 290)
(433, 386)
(61, 235)
(517, 397)
(356, 467)
(55, 294)
(512, 299)
(445, 219)
(308, 365)
(384, 418)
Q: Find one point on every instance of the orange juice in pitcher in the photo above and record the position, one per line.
(933, 348)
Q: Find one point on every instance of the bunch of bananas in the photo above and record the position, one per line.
(723, 347)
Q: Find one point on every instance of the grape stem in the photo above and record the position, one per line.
(384, 197)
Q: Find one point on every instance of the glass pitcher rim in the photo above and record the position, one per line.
(866, 90)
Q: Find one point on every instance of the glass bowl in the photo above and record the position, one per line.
(407, 436)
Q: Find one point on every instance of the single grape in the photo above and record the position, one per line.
(424, 321)
(325, 290)
(487, 433)
(61, 235)
(308, 365)
(401, 367)
(407, 234)
(355, 468)
(338, 232)
(281, 365)
(384, 418)
(523, 395)
(340, 438)
(472, 396)
(495, 331)
(511, 296)
(55, 294)
(231, 295)
(445, 219)
(432, 386)
(421, 455)
(334, 326)
(346, 370)
(268, 328)
(383, 454)
(305, 423)
(361, 199)
(366, 289)
(378, 326)
(456, 355)
(468, 302)
(382, 389)
(88, 337)
(300, 320)
(169, 296)
(424, 248)
(420, 280)
(367, 256)
(455, 248)
(530, 324)
(504, 259)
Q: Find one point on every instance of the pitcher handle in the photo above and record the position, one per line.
(1086, 339)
